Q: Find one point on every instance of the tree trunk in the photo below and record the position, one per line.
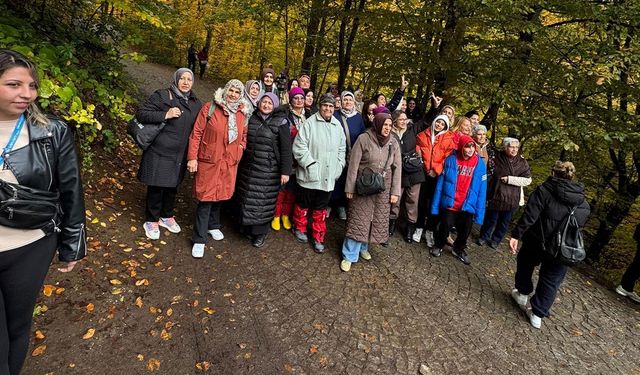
(345, 46)
(309, 54)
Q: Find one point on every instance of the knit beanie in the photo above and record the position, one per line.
(295, 91)
(327, 99)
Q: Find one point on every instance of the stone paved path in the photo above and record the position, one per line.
(283, 309)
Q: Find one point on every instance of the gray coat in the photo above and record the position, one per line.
(368, 218)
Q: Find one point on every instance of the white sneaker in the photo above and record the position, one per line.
(151, 230)
(345, 265)
(428, 236)
(197, 251)
(216, 234)
(632, 295)
(534, 319)
(521, 299)
(170, 224)
(366, 255)
(417, 235)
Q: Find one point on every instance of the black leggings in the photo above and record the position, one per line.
(22, 273)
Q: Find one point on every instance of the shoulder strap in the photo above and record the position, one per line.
(210, 112)
(386, 163)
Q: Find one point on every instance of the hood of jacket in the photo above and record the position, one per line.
(566, 191)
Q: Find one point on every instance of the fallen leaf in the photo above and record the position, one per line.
(165, 335)
(209, 310)
(95, 221)
(242, 345)
(227, 295)
(139, 302)
(153, 310)
(313, 349)
(219, 256)
(324, 361)
(127, 249)
(149, 256)
(169, 311)
(115, 282)
(89, 307)
(48, 289)
(247, 355)
(116, 291)
(288, 368)
(203, 366)
(38, 350)
(153, 364)
(133, 229)
(39, 335)
(89, 334)
(140, 357)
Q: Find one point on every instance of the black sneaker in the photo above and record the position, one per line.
(408, 237)
(259, 240)
(481, 242)
(392, 227)
(435, 251)
(462, 256)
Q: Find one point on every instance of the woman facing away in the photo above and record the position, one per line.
(38, 154)
(164, 162)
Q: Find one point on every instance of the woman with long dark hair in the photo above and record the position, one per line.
(39, 154)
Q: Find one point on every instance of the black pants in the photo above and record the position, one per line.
(160, 202)
(463, 221)
(550, 277)
(191, 64)
(207, 218)
(256, 230)
(313, 199)
(632, 274)
(425, 200)
(22, 273)
(202, 69)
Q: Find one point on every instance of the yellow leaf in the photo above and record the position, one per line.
(153, 310)
(88, 213)
(165, 335)
(48, 289)
(39, 335)
(219, 256)
(89, 334)
(133, 229)
(153, 364)
(140, 357)
(209, 310)
(127, 250)
(203, 366)
(115, 282)
(139, 302)
(169, 311)
(102, 224)
(227, 295)
(163, 242)
(38, 350)
(142, 282)
(313, 349)
(149, 256)
(95, 221)
(90, 307)
(247, 355)
(116, 291)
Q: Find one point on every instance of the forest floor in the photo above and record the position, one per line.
(136, 306)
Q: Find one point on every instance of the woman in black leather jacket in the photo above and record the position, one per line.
(41, 156)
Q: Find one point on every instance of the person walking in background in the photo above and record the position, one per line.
(459, 198)
(378, 151)
(406, 133)
(203, 59)
(547, 207)
(632, 274)
(216, 144)
(505, 193)
(264, 168)
(164, 162)
(319, 149)
(192, 56)
(39, 155)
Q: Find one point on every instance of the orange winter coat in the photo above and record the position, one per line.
(217, 159)
(433, 155)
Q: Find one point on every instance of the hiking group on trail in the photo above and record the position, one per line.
(286, 163)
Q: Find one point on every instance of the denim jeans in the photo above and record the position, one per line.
(498, 219)
(351, 249)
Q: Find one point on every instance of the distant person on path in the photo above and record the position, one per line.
(319, 149)
(264, 168)
(459, 198)
(375, 150)
(632, 274)
(216, 144)
(39, 154)
(192, 57)
(504, 193)
(203, 59)
(548, 205)
(164, 163)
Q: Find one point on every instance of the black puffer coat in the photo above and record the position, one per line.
(408, 146)
(164, 163)
(547, 207)
(267, 157)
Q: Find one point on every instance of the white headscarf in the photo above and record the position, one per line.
(232, 108)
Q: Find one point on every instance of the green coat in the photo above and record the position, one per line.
(319, 149)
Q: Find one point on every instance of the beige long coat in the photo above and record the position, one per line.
(368, 218)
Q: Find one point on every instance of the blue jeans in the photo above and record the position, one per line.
(550, 277)
(498, 219)
(351, 249)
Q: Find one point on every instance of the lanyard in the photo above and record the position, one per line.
(13, 139)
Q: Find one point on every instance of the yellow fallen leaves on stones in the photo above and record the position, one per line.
(133, 229)
(203, 366)
(39, 350)
(139, 302)
(140, 282)
(89, 307)
(48, 289)
(39, 335)
(115, 282)
(153, 364)
(89, 334)
(209, 310)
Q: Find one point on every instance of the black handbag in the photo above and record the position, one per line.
(372, 183)
(145, 134)
(23, 207)
(412, 163)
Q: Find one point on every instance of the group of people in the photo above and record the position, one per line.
(282, 165)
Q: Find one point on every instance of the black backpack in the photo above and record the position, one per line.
(566, 244)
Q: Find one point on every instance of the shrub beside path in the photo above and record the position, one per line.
(137, 306)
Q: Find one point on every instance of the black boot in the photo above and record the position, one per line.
(392, 227)
(411, 228)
